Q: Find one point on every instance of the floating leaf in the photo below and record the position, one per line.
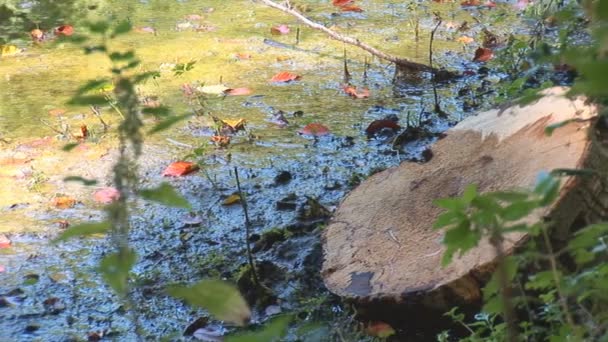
(64, 30)
(351, 8)
(380, 329)
(84, 230)
(352, 91)
(5, 242)
(57, 111)
(37, 34)
(483, 55)
(64, 202)
(280, 29)
(106, 195)
(193, 17)
(180, 168)
(242, 56)
(232, 199)
(376, 125)
(8, 50)
(221, 140)
(285, 76)
(238, 91)
(340, 3)
(217, 89)
(465, 40)
(145, 29)
(234, 124)
(218, 297)
(315, 129)
(165, 194)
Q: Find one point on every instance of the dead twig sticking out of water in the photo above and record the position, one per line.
(438, 109)
(346, 73)
(97, 114)
(254, 273)
(400, 62)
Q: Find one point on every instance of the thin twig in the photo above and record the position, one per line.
(96, 112)
(402, 62)
(254, 273)
(434, 81)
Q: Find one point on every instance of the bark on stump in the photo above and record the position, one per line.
(380, 245)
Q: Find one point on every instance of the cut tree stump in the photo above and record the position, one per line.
(380, 246)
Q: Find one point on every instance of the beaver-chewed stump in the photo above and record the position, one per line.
(380, 246)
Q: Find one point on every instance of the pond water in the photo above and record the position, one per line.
(52, 292)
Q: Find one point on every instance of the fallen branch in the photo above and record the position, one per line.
(400, 62)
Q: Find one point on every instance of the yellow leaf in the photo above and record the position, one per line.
(236, 124)
(8, 50)
(232, 199)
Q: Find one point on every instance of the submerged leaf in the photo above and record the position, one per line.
(64, 30)
(280, 29)
(218, 297)
(380, 329)
(64, 202)
(315, 129)
(106, 195)
(5, 242)
(377, 125)
(483, 55)
(232, 199)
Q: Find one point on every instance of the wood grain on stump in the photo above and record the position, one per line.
(381, 244)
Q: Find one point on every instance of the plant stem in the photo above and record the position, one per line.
(496, 240)
(254, 273)
(434, 81)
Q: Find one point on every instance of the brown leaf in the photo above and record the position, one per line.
(37, 34)
(314, 129)
(234, 124)
(352, 91)
(340, 3)
(285, 76)
(351, 8)
(483, 55)
(242, 56)
(57, 111)
(379, 329)
(221, 140)
(280, 29)
(377, 125)
(180, 168)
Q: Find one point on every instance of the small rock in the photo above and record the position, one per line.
(30, 328)
(288, 203)
(283, 177)
(272, 310)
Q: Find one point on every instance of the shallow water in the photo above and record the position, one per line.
(45, 76)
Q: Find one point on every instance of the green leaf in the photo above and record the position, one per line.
(165, 194)
(69, 147)
(542, 281)
(145, 76)
(469, 193)
(518, 210)
(88, 100)
(448, 218)
(125, 56)
(115, 269)
(218, 297)
(122, 28)
(83, 230)
(163, 125)
(552, 127)
(454, 204)
(93, 85)
(100, 27)
(272, 331)
(157, 111)
(87, 182)
(460, 238)
(95, 48)
(509, 196)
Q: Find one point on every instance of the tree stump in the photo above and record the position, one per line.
(381, 246)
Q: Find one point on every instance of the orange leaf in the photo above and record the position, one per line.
(238, 91)
(64, 30)
(4, 241)
(380, 329)
(83, 134)
(352, 91)
(242, 55)
(37, 34)
(315, 129)
(64, 202)
(377, 125)
(470, 3)
(57, 112)
(465, 40)
(180, 168)
(145, 29)
(106, 195)
(285, 76)
(351, 8)
(483, 55)
(340, 3)
(221, 140)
